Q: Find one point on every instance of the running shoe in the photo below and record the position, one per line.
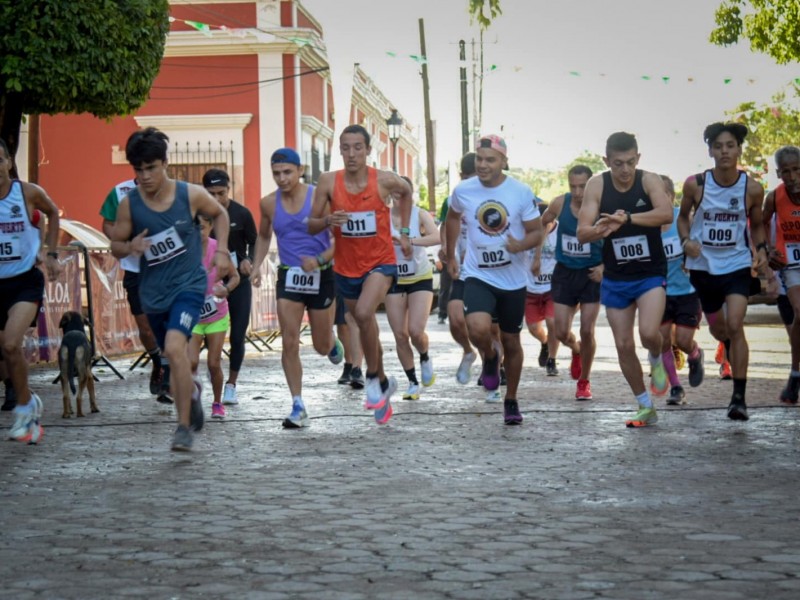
(575, 366)
(356, 379)
(375, 397)
(544, 354)
(725, 371)
(298, 417)
(464, 372)
(196, 417)
(182, 439)
(336, 355)
(646, 416)
(491, 373)
(737, 410)
(155, 380)
(659, 383)
(428, 376)
(789, 393)
(584, 391)
(229, 395)
(26, 427)
(384, 413)
(719, 355)
(680, 358)
(164, 396)
(676, 396)
(503, 375)
(344, 379)
(412, 393)
(217, 411)
(480, 380)
(493, 396)
(9, 397)
(551, 369)
(697, 369)
(511, 414)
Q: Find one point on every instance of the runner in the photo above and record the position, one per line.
(632, 206)
(408, 303)
(784, 204)
(156, 221)
(355, 202)
(241, 244)
(682, 312)
(576, 282)
(305, 279)
(214, 322)
(502, 224)
(22, 286)
(713, 226)
(347, 332)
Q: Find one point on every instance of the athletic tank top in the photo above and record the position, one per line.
(633, 251)
(678, 283)
(214, 308)
(569, 251)
(19, 239)
(720, 225)
(365, 241)
(291, 232)
(787, 227)
(542, 283)
(173, 264)
(417, 267)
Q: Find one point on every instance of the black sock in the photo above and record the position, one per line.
(371, 375)
(739, 386)
(155, 356)
(412, 375)
(423, 356)
(384, 384)
(348, 368)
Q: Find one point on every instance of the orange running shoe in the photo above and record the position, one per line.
(719, 356)
(725, 371)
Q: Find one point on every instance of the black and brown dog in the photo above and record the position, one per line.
(75, 360)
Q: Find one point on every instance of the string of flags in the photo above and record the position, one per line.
(207, 30)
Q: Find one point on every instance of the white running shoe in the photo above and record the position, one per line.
(374, 394)
(412, 393)
(26, 427)
(464, 373)
(229, 395)
(493, 396)
(428, 376)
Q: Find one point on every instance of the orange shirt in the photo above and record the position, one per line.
(787, 229)
(365, 241)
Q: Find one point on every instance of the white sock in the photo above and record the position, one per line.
(644, 400)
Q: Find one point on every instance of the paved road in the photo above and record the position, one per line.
(444, 502)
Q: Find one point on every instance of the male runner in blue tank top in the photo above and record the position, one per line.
(22, 286)
(632, 206)
(156, 221)
(717, 246)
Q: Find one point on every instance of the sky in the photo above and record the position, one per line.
(568, 73)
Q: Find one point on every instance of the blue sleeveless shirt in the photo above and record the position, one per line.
(291, 231)
(569, 251)
(174, 262)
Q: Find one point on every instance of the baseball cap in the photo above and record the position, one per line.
(286, 155)
(215, 177)
(495, 142)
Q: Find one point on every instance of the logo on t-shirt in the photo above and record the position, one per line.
(734, 203)
(492, 217)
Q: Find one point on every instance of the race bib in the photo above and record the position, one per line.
(672, 247)
(164, 246)
(493, 257)
(302, 282)
(543, 278)
(10, 248)
(630, 248)
(360, 224)
(570, 246)
(719, 235)
(406, 267)
(793, 256)
(209, 308)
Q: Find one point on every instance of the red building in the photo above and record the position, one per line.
(238, 80)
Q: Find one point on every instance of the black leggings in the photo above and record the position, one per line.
(239, 303)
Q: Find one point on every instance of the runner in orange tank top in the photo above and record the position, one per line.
(355, 203)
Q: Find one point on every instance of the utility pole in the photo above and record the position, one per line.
(464, 109)
(33, 149)
(429, 145)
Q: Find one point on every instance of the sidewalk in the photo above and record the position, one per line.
(443, 502)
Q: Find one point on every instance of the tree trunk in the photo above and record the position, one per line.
(10, 120)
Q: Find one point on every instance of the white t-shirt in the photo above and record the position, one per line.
(491, 215)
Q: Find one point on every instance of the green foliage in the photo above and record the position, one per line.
(547, 184)
(99, 57)
(770, 126)
(771, 26)
(478, 9)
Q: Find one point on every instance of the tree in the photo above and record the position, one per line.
(478, 9)
(98, 57)
(772, 26)
(770, 127)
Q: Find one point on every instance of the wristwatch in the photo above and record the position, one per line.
(628, 214)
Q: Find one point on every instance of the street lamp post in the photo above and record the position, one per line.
(394, 123)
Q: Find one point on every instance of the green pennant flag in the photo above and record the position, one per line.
(575, 73)
(727, 80)
(665, 79)
(299, 41)
(418, 59)
(202, 27)
(392, 54)
(646, 77)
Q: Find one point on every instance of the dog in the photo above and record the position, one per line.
(75, 360)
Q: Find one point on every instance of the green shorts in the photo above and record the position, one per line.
(219, 326)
